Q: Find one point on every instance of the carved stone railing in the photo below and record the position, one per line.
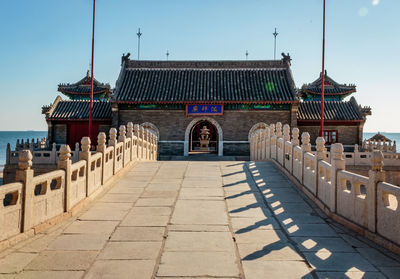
(35, 201)
(366, 204)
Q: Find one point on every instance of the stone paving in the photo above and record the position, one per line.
(200, 220)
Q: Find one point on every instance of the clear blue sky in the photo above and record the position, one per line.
(47, 42)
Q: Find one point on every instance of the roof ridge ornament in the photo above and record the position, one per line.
(286, 58)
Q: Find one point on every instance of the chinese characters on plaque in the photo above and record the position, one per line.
(204, 109)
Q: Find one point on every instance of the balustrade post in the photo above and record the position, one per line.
(286, 138)
(8, 154)
(321, 156)
(65, 163)
(148, 144)
(25, 175)
(278, 127)
(305, 147)
(122, 138)
(267, 143)
(141, 141)
(113, 142)
(129, 134)
(85, 154)
(102, 147)
(338, 163)
(54, 153)
(136, 140)
(375, 175)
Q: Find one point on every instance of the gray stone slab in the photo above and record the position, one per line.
(118, 198)
(354, 242)
(265, 237)
(276, 269)
(199, 241)
(138, 234)
(338, 261)
(163, 187)
(199, 212)
(91, 227)
(155, 202)
(104, 214)
(159, 194)
(150, 211)
(296, 208)
(38, 244)
(15, 262)
(293, 218)
(391, 272)
(350, 274)
(377, 258)
(194, 264)
(199, 228)
(277, 251)
(79, 242)
(121, 189)
(310, 230)
(50, 275)
(131, 251)
(121, 269)
(247, 224)
(254, 210)
(63, 260)
(145, 221)
(331, 244)
(193, 193)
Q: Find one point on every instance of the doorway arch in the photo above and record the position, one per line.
(194, 122)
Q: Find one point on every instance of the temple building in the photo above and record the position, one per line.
(343, 120)
(68, 120)
(184, 101)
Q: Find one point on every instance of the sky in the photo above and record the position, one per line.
(47, 42)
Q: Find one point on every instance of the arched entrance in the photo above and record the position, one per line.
(192, 136)
(195, 136)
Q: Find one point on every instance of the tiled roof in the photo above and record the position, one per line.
(331, 87)
(205, 81)
(333, 110)
(330, 90)
(82, 87)
(79, 110)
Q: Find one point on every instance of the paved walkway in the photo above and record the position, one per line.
(199, 220)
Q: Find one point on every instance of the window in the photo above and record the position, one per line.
(330, 136)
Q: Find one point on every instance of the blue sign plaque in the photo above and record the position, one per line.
(204, 109)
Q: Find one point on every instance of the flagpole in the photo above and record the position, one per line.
(91, 78)
(321, 131)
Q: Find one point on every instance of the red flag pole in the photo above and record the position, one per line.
(321, 131)
(91, 79)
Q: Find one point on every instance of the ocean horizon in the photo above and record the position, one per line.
(12, 137)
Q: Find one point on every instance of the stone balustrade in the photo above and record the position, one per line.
(366, 204)
(35, 201)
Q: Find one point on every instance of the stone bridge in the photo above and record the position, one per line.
(118, 213)
(199, 220)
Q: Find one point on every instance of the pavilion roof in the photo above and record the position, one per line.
(82, 87)
(205, 82)
(331, 87)
(77, 110)
(333, 111)
(379, 137)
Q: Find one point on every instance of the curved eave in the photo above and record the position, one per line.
(206, 102)
(83, 94)
(330, 94)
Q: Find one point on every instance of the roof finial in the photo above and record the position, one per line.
(247, 54)
(167, 54)
(87, 73)
(139, 34)
(275, 35)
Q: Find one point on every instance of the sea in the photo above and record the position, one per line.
(12, 136)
